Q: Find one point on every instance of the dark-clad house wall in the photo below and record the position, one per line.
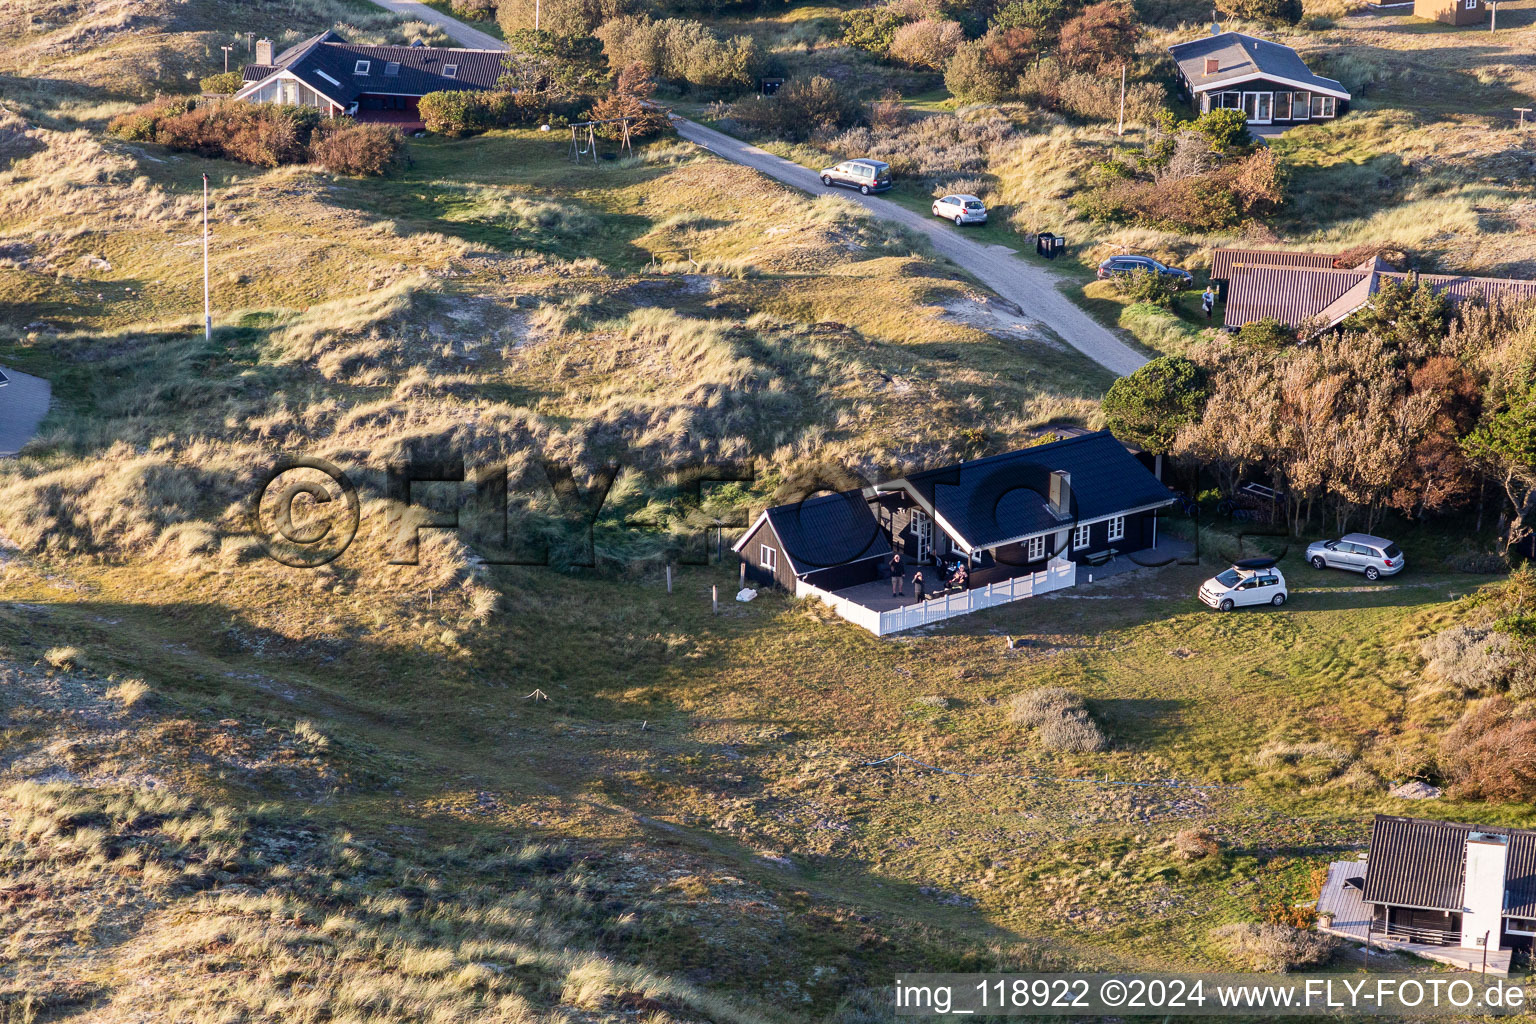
(837, 577)
(751, 554)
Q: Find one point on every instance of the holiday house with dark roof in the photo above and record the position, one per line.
(1460, 894)
(1312, 293)
(1022, 523)
(371, 83)
(1265, 80)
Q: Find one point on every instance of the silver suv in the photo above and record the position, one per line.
(1360, 552)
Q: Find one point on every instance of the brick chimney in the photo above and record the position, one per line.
(1212, 65)
(264, 51)
(1061, 494)
(1482, 913)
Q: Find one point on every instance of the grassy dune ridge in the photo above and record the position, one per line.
(234, 790)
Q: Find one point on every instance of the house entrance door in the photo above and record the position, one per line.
(922, 529)
(1259, 107)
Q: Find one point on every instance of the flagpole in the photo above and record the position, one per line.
(207, 307)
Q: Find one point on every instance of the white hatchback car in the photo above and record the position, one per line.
(962, 209)
(1251, 581)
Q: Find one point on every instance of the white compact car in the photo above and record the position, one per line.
(961, 209)
(1251, 581)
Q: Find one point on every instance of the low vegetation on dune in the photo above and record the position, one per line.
(539, 766)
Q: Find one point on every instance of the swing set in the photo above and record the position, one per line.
(584, 138)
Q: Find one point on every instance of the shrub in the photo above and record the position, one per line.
(1273, 948)
(224, 82)
(1266, 332)
(631, 98)
(461, 112)
(1145, 286)
(1490, 754)
(1103, 34)
(682, 51)
(972, 79)
(872, 28)
(1059, 717)
(141, 123)
(474, 10)
(1149, 407)
(927, 44)
(803, 106)
(569, 18)
(1288, 12)
(343, 146)
(1089, 97)
(1194, 844)
(1476, 660)
(263, 134)
(1225, 129)
(889, 114)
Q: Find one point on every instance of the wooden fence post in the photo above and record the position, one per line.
(714, 598)
(669, 577)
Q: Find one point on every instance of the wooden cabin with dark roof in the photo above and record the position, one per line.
(371, 83)
(1266, 80)
(1021, 522)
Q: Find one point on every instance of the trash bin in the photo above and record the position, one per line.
(1048, 245)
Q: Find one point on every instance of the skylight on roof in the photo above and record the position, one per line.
(392, 68)
(361, 68)
(450, 71)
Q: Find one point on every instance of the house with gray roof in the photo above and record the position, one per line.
(371, 83)
(1308, 291)
(1021, 522)
(1266, 80)
(1458, 893)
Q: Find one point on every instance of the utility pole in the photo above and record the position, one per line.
(226, 50)
(535, 15)
(1121, 129)
(1493, 16)
(207, 307)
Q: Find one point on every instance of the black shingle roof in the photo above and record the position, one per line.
(1006, 497)
(1415, 862)
(827, 530)
(328, 64)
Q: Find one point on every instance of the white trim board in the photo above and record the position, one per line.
(1226, 85)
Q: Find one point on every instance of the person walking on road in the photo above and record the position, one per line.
(898, 575)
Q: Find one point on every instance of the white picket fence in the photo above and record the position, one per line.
(1057, 575)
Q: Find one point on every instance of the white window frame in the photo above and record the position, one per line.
(1471, 5)
(450, 71)
(768, 557)
(1116, 528)
(1287, 115)
(392, 68)
(1301, 106)
(362, 67)
(1034, 549)
(1328, 106)
(1081, 537)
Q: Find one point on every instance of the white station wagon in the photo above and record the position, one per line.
(1249, 582)
(962, 209)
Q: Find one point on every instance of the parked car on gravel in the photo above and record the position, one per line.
(1358, 552)
(962, 209)
(1249, 582)
(865, 175)
(1116, 266)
